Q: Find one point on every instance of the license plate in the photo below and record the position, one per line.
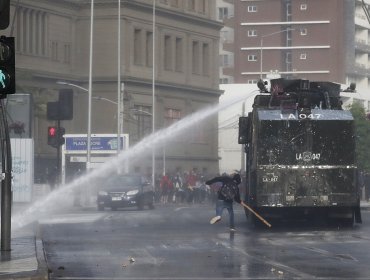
(116, 198)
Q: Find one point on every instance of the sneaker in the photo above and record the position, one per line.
(215, 220)
(232, 229)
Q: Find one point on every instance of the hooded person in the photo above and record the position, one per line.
(226, 195)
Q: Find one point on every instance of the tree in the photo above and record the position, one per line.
(362, 125)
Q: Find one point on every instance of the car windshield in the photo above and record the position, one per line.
(124, 182)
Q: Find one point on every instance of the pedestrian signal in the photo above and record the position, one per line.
(7, 66)
(55, 136)
(52, 136)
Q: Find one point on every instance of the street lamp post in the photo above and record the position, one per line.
(261, 45)
(153, 97)
(88, 157)
(120, 87)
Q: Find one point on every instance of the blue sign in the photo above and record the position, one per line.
(106, 143)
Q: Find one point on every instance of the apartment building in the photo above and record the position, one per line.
(312, 39)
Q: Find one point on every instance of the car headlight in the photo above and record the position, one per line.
(103, 193)
(133, 192)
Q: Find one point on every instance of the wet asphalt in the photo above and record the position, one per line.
(177, 242)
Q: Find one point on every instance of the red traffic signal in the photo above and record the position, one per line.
(55, 136)
(52, 136)
(52, 131)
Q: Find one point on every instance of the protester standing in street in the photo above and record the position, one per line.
(226, 195)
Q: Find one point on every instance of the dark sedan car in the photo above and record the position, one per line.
(125, 191)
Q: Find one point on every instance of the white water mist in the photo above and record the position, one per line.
(61, 197)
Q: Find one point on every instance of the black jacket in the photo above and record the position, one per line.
(224, 180)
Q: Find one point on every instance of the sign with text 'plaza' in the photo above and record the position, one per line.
(103, 143)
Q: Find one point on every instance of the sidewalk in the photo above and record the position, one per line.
(26, 259)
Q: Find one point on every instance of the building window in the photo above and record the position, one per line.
(137, 47)
(252, 9)
(224, 81)
(143, 116)
(223, 13)
(303, 7)
(252, 82)
(252, 57)
(195, 57)
(303, 56)
(67, 53)
(224, 60)
(252, 33)
(303, 31)
(205, 58)
(171, 116)
(178, 55)
(54, 51)
(167, 52)
(288, 57)
(149, 49)
(202, 6)
(191, 4)
(31, 32)
(288, 7)
(226, 36)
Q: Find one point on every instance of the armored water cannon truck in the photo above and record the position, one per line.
(300, 153)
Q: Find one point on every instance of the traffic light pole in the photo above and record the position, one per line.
(6, 190)
(58, 155)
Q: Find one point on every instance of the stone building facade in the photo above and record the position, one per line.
(52, 44)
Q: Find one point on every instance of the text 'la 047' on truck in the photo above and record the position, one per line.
(300, 153)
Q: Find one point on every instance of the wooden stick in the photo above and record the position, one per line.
(258, 216)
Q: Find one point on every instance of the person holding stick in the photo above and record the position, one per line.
(226, 195)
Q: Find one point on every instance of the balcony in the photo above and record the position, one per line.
(362, 45)
(357, 69)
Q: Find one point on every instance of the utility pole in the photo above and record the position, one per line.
(6, 180)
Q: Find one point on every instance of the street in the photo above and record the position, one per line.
(177, 242)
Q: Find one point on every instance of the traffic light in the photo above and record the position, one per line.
(55, 136)
(7, 66)
(52, 136)
(60, 133)
(65, 104)
(4, 14)
(52, 111)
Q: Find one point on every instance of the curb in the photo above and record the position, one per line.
(42, 268)
(41, 273)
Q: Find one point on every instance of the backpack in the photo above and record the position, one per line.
(229, 191)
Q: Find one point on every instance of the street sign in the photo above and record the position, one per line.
(98, 143)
